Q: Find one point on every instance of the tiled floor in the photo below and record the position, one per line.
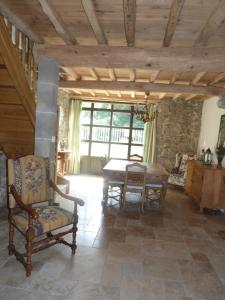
(175, 254)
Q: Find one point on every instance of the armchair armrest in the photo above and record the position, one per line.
(68, 197)
(28, 208)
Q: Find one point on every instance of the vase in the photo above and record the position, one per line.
(219, 159)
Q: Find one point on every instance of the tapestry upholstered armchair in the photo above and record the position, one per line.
(178, 174)
(32, 211)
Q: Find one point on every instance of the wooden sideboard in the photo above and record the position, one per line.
(205, 185)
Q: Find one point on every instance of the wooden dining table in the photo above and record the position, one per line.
(115, 170)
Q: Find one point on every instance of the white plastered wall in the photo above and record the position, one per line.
(210, 124)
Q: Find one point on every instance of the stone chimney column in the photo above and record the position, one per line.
(46, 109)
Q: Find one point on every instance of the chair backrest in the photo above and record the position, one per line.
(30, 175)
(136, 157)
(135, 178)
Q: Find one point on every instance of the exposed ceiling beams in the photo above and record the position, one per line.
(215, 20)
(175, 11)
(94, 22)
(129, 11)
(14, 19)
(140, 86)
(57, 21)
(172, 59)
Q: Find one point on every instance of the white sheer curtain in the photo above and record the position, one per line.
(150, 137)
(74, 136)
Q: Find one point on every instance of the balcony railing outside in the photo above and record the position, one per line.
(118, 135)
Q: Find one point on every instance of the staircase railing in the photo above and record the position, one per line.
(24, 48)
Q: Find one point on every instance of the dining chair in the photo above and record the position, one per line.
(32, 210)
(134, 185)
(115, 189)
(154, 194)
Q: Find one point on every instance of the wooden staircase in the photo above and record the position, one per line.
(17, 90)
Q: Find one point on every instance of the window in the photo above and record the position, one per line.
(110, 130)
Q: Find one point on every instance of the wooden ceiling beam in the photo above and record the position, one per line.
(112, 74)
(19, 23)
(113, 99)
(174, 78)
(175, 12)
(154, 76)
(94, 22)
(94, 74)
(162, 95)
(72, 73)
(140, 87)
(171, 59)
(214, 21)
(129, 11)
(177, 96)
(57, 21)
(132, 74)
(190, 97)
(218, 78)
(197, 77)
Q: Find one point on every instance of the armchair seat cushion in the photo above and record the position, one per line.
(50, 218)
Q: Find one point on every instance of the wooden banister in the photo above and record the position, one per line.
(16, 69)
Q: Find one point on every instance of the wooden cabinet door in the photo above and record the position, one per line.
(196, 188)
(213, 195)
(189, 178)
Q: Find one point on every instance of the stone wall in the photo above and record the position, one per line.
(178, 129)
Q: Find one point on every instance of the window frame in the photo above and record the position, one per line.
(129, 143)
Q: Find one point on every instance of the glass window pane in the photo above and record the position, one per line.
(136, 150)
(137, 123)
(100, 134)
(137, 136)
(120, 135)
(121, 107)
(99, 149)
(85, 133)
(84, 148)
(85, 117)
(121, 119)
(86, 104)
(102, 105)
(118, 151)
(101, 118)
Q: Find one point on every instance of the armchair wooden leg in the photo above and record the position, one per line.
(30, 235)
(74, 234)
(11, 235)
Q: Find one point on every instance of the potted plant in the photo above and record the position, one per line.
(220, 152)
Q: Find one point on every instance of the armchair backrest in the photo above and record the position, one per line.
(30, 176)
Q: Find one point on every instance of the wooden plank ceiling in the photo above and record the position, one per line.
(124, 28)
